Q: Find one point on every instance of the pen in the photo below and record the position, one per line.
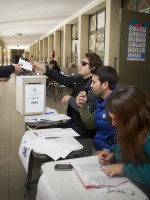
(34, 118)
(105, 154)
(49, 113)
(35, 133)
(103, 165)
(46, 120)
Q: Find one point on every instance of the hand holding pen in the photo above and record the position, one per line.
(105, 157)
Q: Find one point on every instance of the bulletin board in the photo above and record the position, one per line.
(136, 48)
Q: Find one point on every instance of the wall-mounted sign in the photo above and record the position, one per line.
(136, 48)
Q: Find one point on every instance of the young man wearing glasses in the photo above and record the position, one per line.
(78, 83)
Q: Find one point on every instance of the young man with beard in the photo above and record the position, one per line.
(104, 82)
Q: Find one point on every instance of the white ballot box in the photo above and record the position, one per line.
(30, 94)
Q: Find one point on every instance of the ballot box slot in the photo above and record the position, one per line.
(34, 83)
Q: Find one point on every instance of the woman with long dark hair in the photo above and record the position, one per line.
(129, 110)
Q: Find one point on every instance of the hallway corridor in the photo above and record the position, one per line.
(12, 173)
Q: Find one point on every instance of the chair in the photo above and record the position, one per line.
(51, 88)
(61, 89)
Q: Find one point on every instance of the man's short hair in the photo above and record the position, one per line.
(107, 74)
(94, 60)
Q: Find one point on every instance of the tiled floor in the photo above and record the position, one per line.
(12, 173)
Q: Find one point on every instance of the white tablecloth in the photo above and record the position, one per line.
(24, 153)
(66, 185)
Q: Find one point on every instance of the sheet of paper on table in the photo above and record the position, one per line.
(52, 148)
(46, 118)
(54, 132)
(90, 170)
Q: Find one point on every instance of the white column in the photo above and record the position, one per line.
(57, 46)
(83, 36)
(50, 46)
(112, 32)
(41, 50)
(45, 49)
(67, 45)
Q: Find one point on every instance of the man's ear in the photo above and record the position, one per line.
(92, 68)
(105, 85)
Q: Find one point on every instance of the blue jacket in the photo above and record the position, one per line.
(104, 138)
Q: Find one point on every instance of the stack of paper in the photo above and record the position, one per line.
(89, 171)
(54, 133)
(51, 148)
(46, 118)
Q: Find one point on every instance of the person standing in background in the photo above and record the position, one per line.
(17, 58)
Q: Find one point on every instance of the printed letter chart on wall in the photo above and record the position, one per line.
(136, 41)
(34, 98)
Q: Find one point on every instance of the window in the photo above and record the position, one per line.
(137, 5)
(97, 33)
(74, 51)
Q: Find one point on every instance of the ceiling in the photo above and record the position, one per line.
(33, 19)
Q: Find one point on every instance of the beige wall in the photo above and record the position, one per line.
(1, 44)
(112, 34)
(41, 50)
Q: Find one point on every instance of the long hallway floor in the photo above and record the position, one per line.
(12, 173)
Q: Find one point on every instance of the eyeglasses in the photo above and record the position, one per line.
(123, 191)
(83, 63)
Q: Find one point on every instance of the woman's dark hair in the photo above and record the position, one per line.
(55, 67)
(131, 109)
